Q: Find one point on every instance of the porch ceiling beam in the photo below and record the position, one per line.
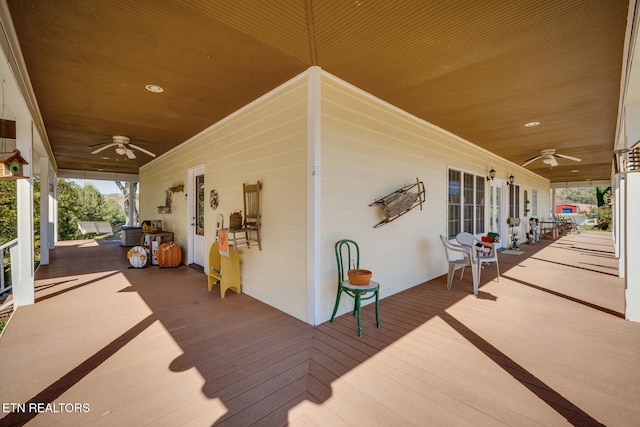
(580, 184)
(106, 176)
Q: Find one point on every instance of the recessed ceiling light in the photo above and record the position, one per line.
(575, 170)
(531, 124)
(154, 88)
(104, 158)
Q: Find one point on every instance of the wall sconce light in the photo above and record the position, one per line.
(511, 179)
(492, 174)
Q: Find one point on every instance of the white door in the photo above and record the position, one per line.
(196, 201)
(497, 221)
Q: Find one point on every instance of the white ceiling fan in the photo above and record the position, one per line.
(123, 147)
(548, 157)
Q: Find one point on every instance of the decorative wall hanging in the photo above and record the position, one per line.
(214, 199)
(400, 202)
(167, 203)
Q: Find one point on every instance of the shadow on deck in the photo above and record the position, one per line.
(546, 345)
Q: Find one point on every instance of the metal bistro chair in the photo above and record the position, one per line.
(345, 249)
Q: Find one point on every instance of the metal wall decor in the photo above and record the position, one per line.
(166, 209)
(400, 202)
(214, 199)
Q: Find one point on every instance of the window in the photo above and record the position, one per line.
(514, 201)
(466, 203)
(467, 219)
(454, 216)
(480, 184)
(200, 205)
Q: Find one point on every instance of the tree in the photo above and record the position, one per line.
(77, 203)
(9, 214)
(69, 210)
(576, 195)
(602, 194)
(128, 200)
(8, 211)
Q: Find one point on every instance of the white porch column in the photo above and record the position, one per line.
(23, 287)
(630, 203)
(132, 204)
(45, 220)
(314, 264)
(631, 188)
(53, 210)
(620, 229)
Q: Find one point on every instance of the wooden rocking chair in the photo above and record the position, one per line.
(250, 229)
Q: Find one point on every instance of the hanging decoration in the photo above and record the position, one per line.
(400, 202)
(166, 208)
(11, 162)
(214, 199)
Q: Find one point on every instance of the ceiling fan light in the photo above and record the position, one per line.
(121, 150)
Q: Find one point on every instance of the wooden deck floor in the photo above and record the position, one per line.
(108, 345)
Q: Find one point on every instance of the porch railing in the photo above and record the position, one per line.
(7, 276)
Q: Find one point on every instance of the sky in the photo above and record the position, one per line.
(104, 187)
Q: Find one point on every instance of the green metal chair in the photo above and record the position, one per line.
(346, 250)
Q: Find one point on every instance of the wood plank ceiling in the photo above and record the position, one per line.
(480, 69)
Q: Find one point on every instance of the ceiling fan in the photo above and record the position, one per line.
(123, 147)
(548, 157)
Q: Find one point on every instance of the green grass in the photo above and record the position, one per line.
(590, 228)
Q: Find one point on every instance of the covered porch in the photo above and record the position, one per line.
(104, 343)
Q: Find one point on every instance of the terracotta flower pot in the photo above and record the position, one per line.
(359, 277)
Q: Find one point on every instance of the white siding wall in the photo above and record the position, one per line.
(370, 149)
(367, 150)
(156, 178)
(264, 141)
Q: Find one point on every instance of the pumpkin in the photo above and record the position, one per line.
(169, 255)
